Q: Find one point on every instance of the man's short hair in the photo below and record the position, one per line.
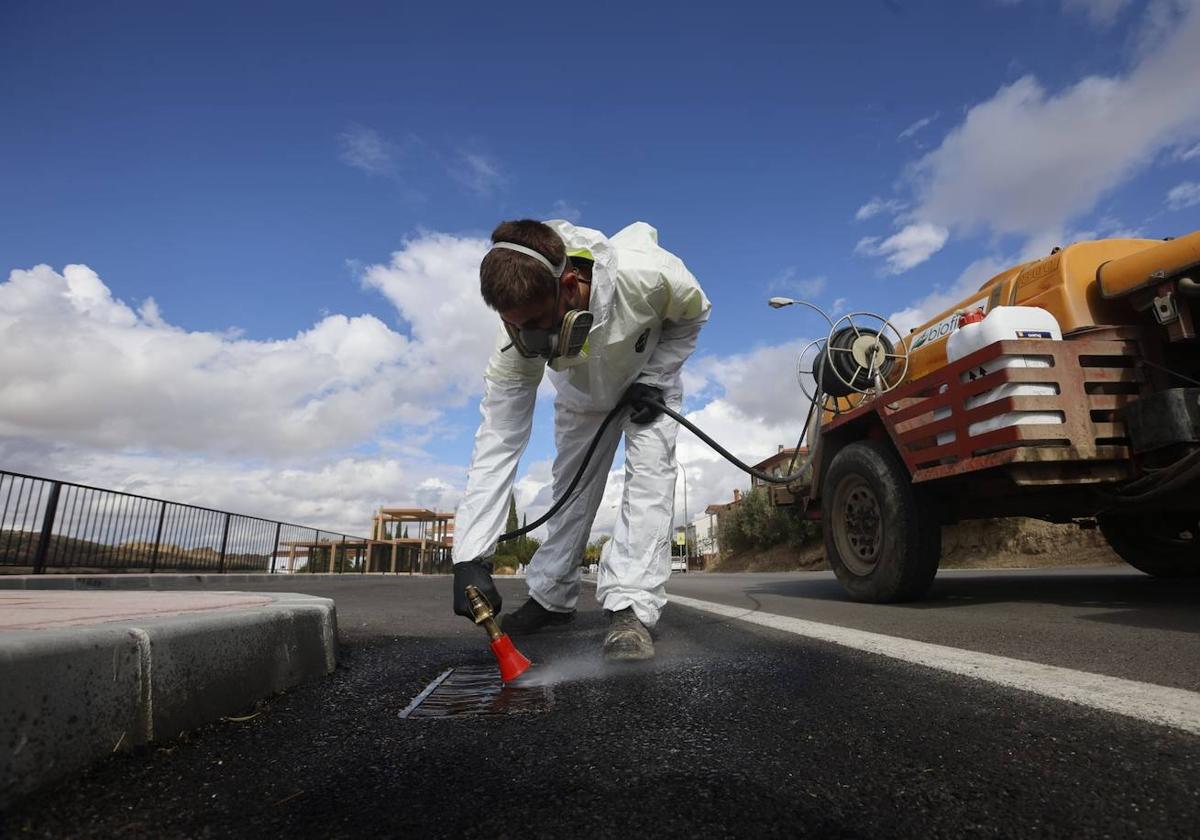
(508, 279)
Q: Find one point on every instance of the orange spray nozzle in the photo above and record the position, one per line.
(512, 663)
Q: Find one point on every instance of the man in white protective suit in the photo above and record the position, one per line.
(614, 319)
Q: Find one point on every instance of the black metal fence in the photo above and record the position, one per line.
(57, 526)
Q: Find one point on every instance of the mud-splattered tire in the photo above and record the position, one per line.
(1164, 544)
(882, 537)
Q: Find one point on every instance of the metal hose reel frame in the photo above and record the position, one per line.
(873, 353)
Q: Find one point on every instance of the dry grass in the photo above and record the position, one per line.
(780, 558)
(986, 544)
(1018, 543)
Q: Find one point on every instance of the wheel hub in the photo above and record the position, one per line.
(859, 533)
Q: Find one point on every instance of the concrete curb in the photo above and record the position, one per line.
(70, 696)
(170, 581)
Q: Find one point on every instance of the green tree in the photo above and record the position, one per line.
(591, 553)
(756, 524)
(511, 524)
(514, 552)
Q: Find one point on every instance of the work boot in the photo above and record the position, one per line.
(628, 639)
(531, 617)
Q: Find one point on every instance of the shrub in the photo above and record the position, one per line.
(756, 524)
(515, 553)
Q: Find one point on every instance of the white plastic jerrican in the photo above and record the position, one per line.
(1003, 323)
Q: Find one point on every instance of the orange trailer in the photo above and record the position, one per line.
(891, 467)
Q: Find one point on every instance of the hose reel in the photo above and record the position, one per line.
(863, 354)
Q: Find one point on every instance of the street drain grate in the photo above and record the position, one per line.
(466, 692)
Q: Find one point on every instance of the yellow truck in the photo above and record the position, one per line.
(1100, 427)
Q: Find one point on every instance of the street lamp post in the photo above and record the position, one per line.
(686, 548)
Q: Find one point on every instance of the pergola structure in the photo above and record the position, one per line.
(326, 553)
(413, 540)
(422, 538)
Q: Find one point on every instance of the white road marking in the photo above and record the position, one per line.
(1173, 707)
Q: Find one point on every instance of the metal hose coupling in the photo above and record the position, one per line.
(481, 612)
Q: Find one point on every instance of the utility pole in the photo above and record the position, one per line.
(687, 551)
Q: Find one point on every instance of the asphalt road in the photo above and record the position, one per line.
(734, 730)
(1107, 619)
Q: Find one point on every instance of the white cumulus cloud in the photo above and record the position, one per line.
(83, 366)
(331, 493)
(1029, 159)
(909, 247)
(326, 423)
(433, 281)
(753, 405)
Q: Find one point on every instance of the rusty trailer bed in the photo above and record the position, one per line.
(1094, 376)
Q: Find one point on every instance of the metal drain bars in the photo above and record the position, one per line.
(476, 691)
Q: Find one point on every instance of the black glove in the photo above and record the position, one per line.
(636, 396)
(477, 573)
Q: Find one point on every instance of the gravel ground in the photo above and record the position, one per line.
(732, 731)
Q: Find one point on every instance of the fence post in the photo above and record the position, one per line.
(162, 513)
(275, 550)
(342, 567)
(224, 540)
(43, 547)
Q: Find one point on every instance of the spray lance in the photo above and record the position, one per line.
(512, 663)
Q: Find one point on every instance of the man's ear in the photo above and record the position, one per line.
(570, 284)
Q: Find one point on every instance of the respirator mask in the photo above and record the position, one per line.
(563, 345)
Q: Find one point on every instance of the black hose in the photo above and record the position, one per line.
(725, 453)
(566, 496)
(681, 420)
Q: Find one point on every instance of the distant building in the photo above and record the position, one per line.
(713, 514)
(778, 465)
(702, 535)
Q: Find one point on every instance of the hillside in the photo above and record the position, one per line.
(984, 544)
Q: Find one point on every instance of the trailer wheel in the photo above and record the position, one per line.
(882, 537)
(1164, 544)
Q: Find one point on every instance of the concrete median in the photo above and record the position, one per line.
(85, 674)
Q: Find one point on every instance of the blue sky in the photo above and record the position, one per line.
(246, 166)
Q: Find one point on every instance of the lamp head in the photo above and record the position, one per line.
(780, 302)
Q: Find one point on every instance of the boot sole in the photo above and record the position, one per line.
(628, 656)
(622, 652)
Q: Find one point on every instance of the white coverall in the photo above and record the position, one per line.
(648, 311)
